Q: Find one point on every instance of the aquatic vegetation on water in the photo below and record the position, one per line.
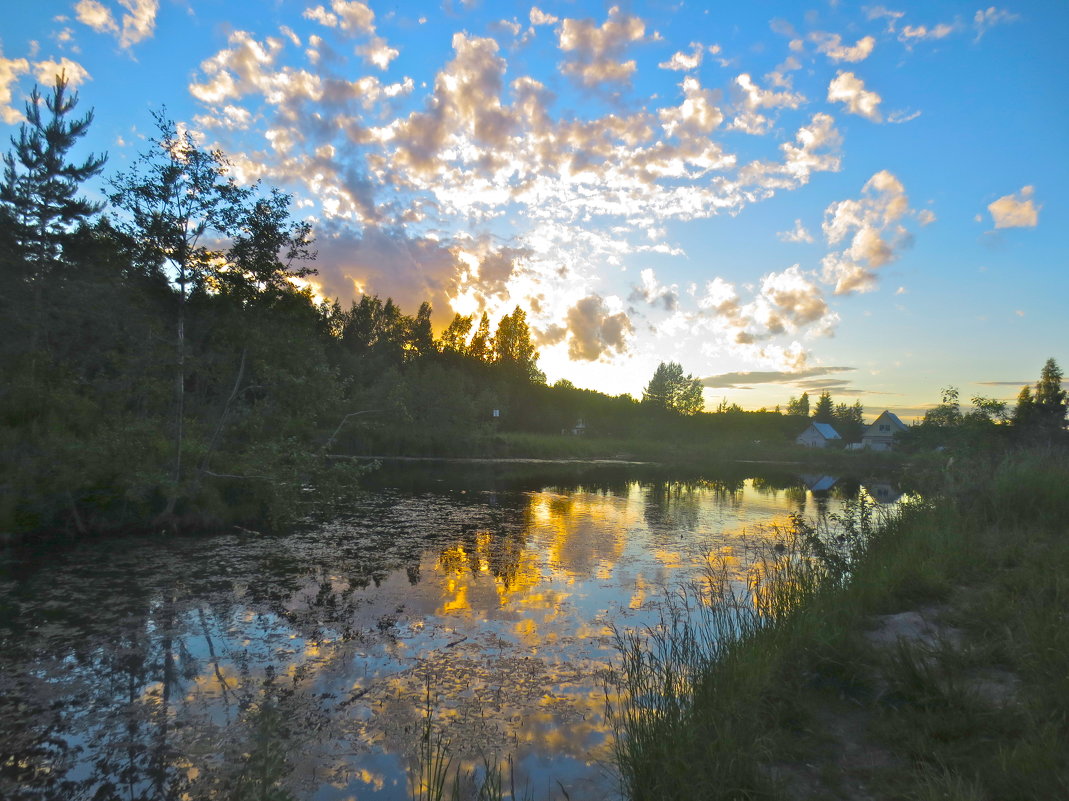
(249, 665)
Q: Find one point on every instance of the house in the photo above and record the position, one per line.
(818, 435)
(880, 436)
(579, 429)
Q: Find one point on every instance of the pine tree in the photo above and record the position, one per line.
(40, 187)
(824, 412)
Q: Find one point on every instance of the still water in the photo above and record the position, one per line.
(213, 667)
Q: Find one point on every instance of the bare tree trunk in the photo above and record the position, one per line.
(180, 398)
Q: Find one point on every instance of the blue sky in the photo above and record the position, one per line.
(782, 197)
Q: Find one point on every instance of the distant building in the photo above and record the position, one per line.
(579, 429)
(818, 435)
(880, 436)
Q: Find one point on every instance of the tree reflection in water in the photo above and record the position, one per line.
(274, 667)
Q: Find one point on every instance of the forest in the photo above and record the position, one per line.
(166, 366)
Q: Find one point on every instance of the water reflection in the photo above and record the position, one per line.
(225, 666)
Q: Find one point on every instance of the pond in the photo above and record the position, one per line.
(479, 603)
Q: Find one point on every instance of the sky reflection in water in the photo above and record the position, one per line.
(187, 668)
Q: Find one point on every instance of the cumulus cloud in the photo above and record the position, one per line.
(831, 45)
(594, 51)
(46, 71)
(797, 234)
(786, 302)
(417, 186)
(388, 263)
(684, 62)
(815, 149)
(539, 17)
(592, 329)
(751, 98)
(358, 20)
(10, 70)
(847, 88)
(872, 228)
(653, 293)
(698, 114)
(1015, 211)
(138, 23)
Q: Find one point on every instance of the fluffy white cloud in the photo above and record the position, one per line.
(831, 45)
(138, 23)
(684, 62)
(397, 193)
(47, 70)
(96, 15)
(592, 330)
(786, 302)
(798, 234)
(1015, 211)
(356, 19)
(10, 70)
(539, 17)
(750, 98)
(847, 88)
(872, 228)
(594, 51)
(754, 97)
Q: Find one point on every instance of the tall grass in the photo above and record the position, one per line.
(694, 695)
(436, 775)
(748, 683)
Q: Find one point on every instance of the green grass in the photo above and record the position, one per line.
(772, 690)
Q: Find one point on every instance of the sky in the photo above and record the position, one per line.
(782, 197)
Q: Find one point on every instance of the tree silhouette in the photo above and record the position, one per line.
(40, 186)
(671, 390)
(177, 196)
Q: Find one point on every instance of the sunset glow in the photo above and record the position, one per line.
(861, 199)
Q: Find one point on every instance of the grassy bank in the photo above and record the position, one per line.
(918, 657)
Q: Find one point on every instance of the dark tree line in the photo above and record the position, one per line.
(162, 366)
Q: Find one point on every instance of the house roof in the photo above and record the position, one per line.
(889, 417)
(826, 431)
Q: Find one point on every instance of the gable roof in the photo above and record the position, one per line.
(889, 417)
(826, 430)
